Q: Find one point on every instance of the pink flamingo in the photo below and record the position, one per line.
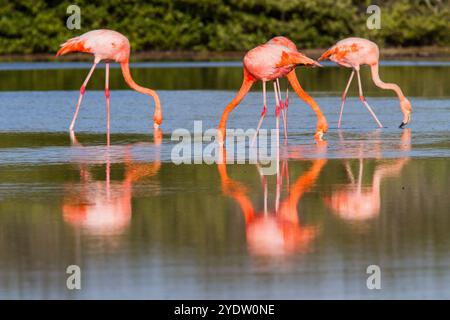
(354, 52)
(269, 62)
(107, 45)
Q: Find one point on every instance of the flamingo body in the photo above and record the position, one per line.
(107, 45)
(268, 62)
(354, 52)
(103, 44)
(283, 41)
(271, 61)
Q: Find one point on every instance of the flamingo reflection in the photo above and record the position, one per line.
(357, 202)
(104, 207)
(277, 231)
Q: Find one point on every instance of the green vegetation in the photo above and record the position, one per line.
(38, 26)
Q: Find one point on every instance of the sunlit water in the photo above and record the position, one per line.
(140, 226)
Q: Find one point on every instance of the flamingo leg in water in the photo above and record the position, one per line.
(344, 95)
(80, 98)
(107, 95)
(277, 130)
(283, 114)
(263, 114)
(286, 102)
(361, 96)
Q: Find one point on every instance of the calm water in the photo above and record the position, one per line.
(140, 226)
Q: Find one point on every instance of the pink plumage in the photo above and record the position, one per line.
(354, 52)
(107, 45)
(103, 44)
(271, 61)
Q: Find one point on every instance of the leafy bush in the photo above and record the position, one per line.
(38, 26)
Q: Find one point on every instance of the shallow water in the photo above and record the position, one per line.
(140, 226)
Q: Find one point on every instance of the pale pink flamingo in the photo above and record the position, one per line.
(107, 45)
(268, 62)
(354, 52)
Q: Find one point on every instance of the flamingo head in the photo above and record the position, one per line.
(406, 108)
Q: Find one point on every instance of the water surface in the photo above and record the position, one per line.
(140, 226)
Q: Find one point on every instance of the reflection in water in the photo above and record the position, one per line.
(278, 231)
(104, 207)
(356, 202)
(185, 240)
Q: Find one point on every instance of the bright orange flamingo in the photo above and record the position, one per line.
(107, 45)
(268, 62)
(275, 232)
(354, 52)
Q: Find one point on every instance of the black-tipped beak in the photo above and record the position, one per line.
(402, 125)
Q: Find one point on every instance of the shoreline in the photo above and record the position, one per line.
(417, 53)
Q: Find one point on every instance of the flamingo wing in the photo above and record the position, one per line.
(339, 52)
(295, 58)
(76, 44)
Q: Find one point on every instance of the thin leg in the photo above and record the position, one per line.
(263, 114)
(344, 95)
(73, 138)
(80, 98)
(287, 175)
(349, 173)
(108, 176)
(278, 192)
(286, 102)
(277, 130)
(265, 195)
(107, 95)
(360, 174)
(361, 96)
(283, 114)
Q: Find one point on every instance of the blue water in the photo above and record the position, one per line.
(194, 64)
(140, 226)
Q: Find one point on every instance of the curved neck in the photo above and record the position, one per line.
(245, 87)
(237, 192)
(302, 185)
(129, 80)
(389, 86)
(292, 77)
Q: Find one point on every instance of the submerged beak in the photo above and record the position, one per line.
(405, 105)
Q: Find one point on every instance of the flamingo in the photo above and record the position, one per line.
(268, 62)
(107, 45)
(354, 52)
